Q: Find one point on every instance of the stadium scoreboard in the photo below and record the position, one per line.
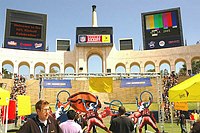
(94, 36)
(25, 30)
(126, 44)
(162, 29)
(63, 44)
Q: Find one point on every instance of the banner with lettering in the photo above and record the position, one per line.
(24, 44)
(135, 82)
(53, 83)
(181, 106)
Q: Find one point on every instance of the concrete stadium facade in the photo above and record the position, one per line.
(111, 58)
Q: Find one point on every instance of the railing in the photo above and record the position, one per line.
(88, 75)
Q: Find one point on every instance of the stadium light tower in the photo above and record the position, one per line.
(94, 16)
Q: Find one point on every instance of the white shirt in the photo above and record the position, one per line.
(44, 122)
(70, 126)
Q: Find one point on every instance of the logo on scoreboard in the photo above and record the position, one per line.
(82, 38)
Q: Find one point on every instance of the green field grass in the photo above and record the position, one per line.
(167, 127)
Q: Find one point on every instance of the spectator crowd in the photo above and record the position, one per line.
(168, 82)
(19, 87)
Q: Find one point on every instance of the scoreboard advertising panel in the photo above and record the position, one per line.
(162, 29)
(25, 30)
(94, 36)
(94, 39)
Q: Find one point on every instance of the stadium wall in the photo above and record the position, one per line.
(125, 95)
(111, 58)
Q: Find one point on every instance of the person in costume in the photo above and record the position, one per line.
(92, 116)
(143, 115)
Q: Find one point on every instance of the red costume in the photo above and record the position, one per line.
(92, 117)
(145, 115)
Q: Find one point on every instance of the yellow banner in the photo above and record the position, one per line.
(181, 106)
(101, 85)
(105, 38)
(24, 105)
(4, 97)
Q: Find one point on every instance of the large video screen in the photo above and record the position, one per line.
(94, 36)
(126, 44)
(162, 29)
(63, 44)
(25, 30)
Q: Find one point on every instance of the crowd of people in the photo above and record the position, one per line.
(193, 121)
(168, 82)
(43, 122)
(19, 87)
(181, 116)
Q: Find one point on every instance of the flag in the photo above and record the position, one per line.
(101, 85)
(24, 105)
(12, 110)
(4, 97)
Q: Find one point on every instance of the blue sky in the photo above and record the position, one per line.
(63, 16)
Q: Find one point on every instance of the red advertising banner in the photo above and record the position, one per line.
(12, 110)
(94, 38)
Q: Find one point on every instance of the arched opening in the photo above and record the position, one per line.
(95, 64)
(135, 68)
(165, 68)
(120, 68)
(149, 67)
(69, 69)
(7, 69)
(181, 67)
(54, 68)
(24, 69)
(39, 69)
(195, 65)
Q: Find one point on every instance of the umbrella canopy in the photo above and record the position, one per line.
(4, 97)
(186, 91)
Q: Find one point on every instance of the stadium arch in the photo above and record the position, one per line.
(98, 53)
(110, 58)
(165, 62)
(195, 58)
(69, 66)
(40, 66)
(120, 65)
(8, 62)
(149, 63)
(24, 64)
(56, 66)
(134, 65)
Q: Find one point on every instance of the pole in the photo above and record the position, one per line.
(6, 125)
(172, 122)
(40, 84)
(160, 101)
